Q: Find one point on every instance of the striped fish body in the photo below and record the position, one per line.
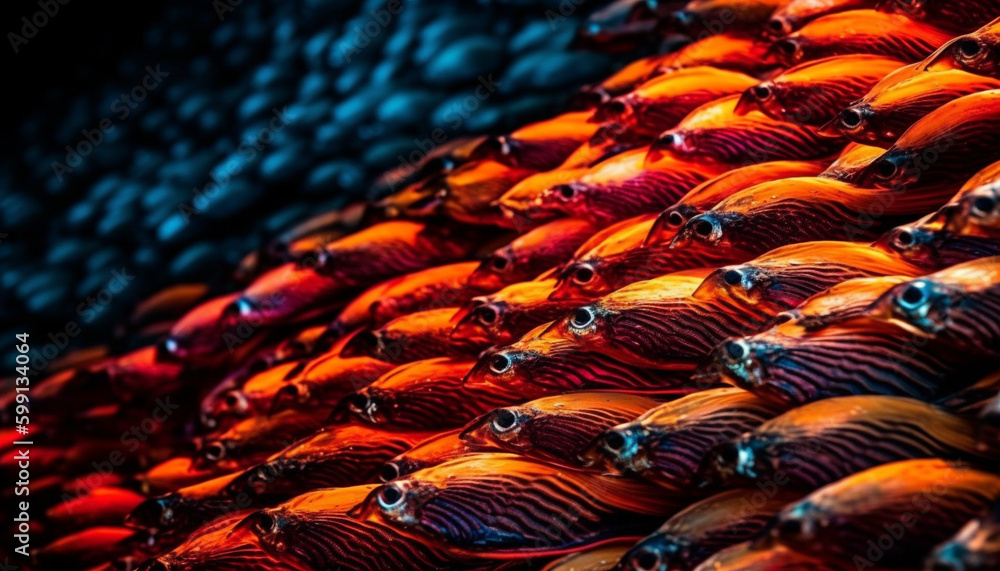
(974, 548)
(794, 14)
(252, 439)
(732, 51)
(960, 16)
(977, 52)
(324, 381)
(419, 335)
(430, 452)
(504, 316)
(542, 145)
(775, 557)
(933, 248)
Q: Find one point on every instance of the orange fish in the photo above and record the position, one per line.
(102, 506)
(794, 14)
(531, 254)
(848, 299)
(698, 16)
(663, 101)
(976, 52)
(430, 452)
(502, 317)
(253, 398)
(882, 116)
(251, 440)
(941, 148)
(426, 394)
(200, 336)
(666, 444)
(419, 335)
(705, 527)
(501, 504)
(542, 145)
(181, 511)
(554, 429)
(746, 557)
(541, 365)
(973, 548)
(610, 139)
(326, 380)
(858, 32)
(289, 294)
(520, 204)
(957, 15)
(467, 195)
(928, 499)
(849, 165)
(716, 132)
(623, 80)
(736, 52)
(438, 161)
(932, 248)
(86, 547)
(814, 91)
(822, 442)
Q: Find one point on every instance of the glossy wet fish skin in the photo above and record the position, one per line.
(813, 92)
(416, 336)
(882, 116)
(542, 145)
(747, 557)
(434, 450)
(976, 214)
(818, 443)
(977, 52)
(504, 316)
(324, 381)
(973, 548)
(486, 489)
(960, 16)
(666, 444)
(252, 439)
(554, 429)
(705, 527)
(931, 502)
(933, 248)
(844, 301)
(794, 14)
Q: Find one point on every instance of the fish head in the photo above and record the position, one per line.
(745, 460)
(656, 552)
(620, 110)
(747, 283)
(508, 428)
(852, 122)
(778, 26)
(370, 404)
(895, 170)
(492, 273)
(367, 343)
(915, 9)
(213, 451)
(162, 513)
(504, 366)
(622, 449)
(978, 52)
(668, 223)
(787, 51)
(976, 547)
(743, 362)
(922, 305)
(396, 502)
(581, 280)
(759, 97)
(915, 243)
(677, 141)
(801, 524)
(291, 396)
(977, 212)
(714, 228)
(567, 198)
(481, 321)
(586, 324)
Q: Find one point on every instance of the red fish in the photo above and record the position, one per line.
(960, 15)
(932, 248)
(814, 91)
(542, 145)
(978, 52)
(201, 335)
(253, 439)
(736, 52)
(849, 165)
(419, 335)
(502, 317)
(698, 15)
(253, 398)
(792, 15)
(102, 506)
(973, 548)
(430, 452)
(326, 380)
(520, 204)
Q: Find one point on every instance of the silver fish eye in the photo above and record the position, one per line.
(500, 363)
(583, 274)
(913, 296)
(390, 496)
(582, 317)
(487, 314)
(503, 421)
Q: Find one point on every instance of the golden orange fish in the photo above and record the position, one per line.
(504, 316)
(419, 335)
(542, 145)
(794, 14)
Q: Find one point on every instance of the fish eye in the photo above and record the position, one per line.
(582, 317)
(389, 472)
(984, 204)
(704, 228)
(904, 238)
(886, 169)
(783, 317)
(778, 26)
(359, 402)
(499, 263)
(504, 420)
(737, 350)
(265, 523)
(675, 218)
(790, 527)
(214, 451)
(913, 296)
(968, 48)
(787, 47)
(732, 277)
(647, 560)
(583, 274)
(614, 441)
(566, 191)
(762, 92)
(851, 118)
(231, 399)
(170, 345)
(245, 307)
(670, 140)
(500, 363)
(486, 314)
(390, 496)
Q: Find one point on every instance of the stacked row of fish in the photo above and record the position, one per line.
(739, 309)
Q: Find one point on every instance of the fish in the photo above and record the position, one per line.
(324, 381)
(540, 365)
(622, 81)
(143, 372)
(253, 398)
(731, 51)
(924, 500)
(961, 16)
(705, 527)
(760, 218)
(711, 192)
(430, 452)
(975, 213)
(199, 337)
(858, 32)
(973, 548)
(393, 248)
(542, 145)
(821, 442)
(792, 15)
(503, 317)
(848, 166)
(882, 116)
(289, 294)
(172, 474)
(519, 205)
(933, 248)
(501, 504)
(221, 546)
(666, 444)
(623, 186)
(253, 439)
(716, 132)
(85, 548)
(744, 557)
(660, 103)
(531, 254)
(316, 531)
(942, 147)
(604, 557)
(468, 194)
(423, 166)
(332, 457)
(977, 52)
(306, 236)
(426, 394)
(959, 305)
(611, 139)
(154, 315)
(621, 26)
(846, 300)
(813, 92)
(419, 335)
(181, 511)
(703, 17)
(554, 429)
(792, 365)
(106, 505)
(660, 323)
